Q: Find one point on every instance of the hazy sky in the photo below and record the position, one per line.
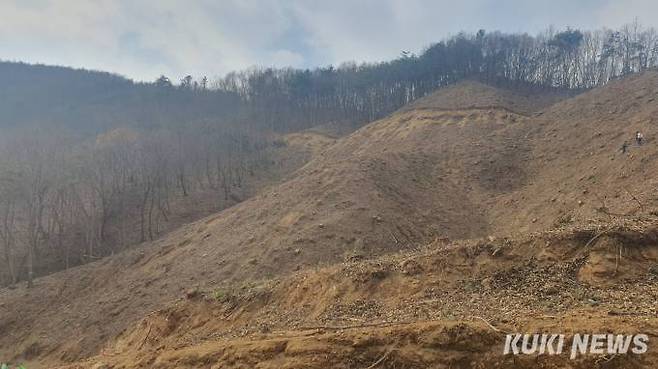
(142, 39)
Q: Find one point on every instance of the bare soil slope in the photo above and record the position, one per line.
(474, 95)
(577, 169)
(469, 162)
(418, 309)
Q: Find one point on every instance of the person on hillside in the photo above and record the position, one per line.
(639, 137)
(624, 147)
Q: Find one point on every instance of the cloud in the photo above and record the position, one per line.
(143, 39)
(286, 58)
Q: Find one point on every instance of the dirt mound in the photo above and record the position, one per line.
(414, 309)
(470, 162)
(475, 95)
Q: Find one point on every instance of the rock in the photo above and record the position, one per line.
(593, 302)
(191, 293)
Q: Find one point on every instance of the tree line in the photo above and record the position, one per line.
(292, 99)
(65, 201)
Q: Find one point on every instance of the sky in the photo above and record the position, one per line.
(143, 39)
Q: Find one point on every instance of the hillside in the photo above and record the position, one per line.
(89, 102)
(578, 169)
(519, 98)
(111, 163)
(470, 162)
(415, 309)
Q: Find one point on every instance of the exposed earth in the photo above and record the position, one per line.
(417, 241)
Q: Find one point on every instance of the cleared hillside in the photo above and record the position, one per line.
(577, 169)
(520, 99)
(443, 170)
(416, 309)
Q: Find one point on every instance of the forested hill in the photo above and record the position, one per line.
(292, 99)
(91, 102)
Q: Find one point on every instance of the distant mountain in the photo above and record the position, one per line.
(91, 101)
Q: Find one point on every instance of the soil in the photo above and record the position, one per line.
(448, 305)
(413, 242)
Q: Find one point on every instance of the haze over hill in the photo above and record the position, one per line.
(470, 161)
(91, 102)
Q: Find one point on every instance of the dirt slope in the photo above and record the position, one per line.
(577, 169)
(469, 162)
(417, 309)
(524, 100)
